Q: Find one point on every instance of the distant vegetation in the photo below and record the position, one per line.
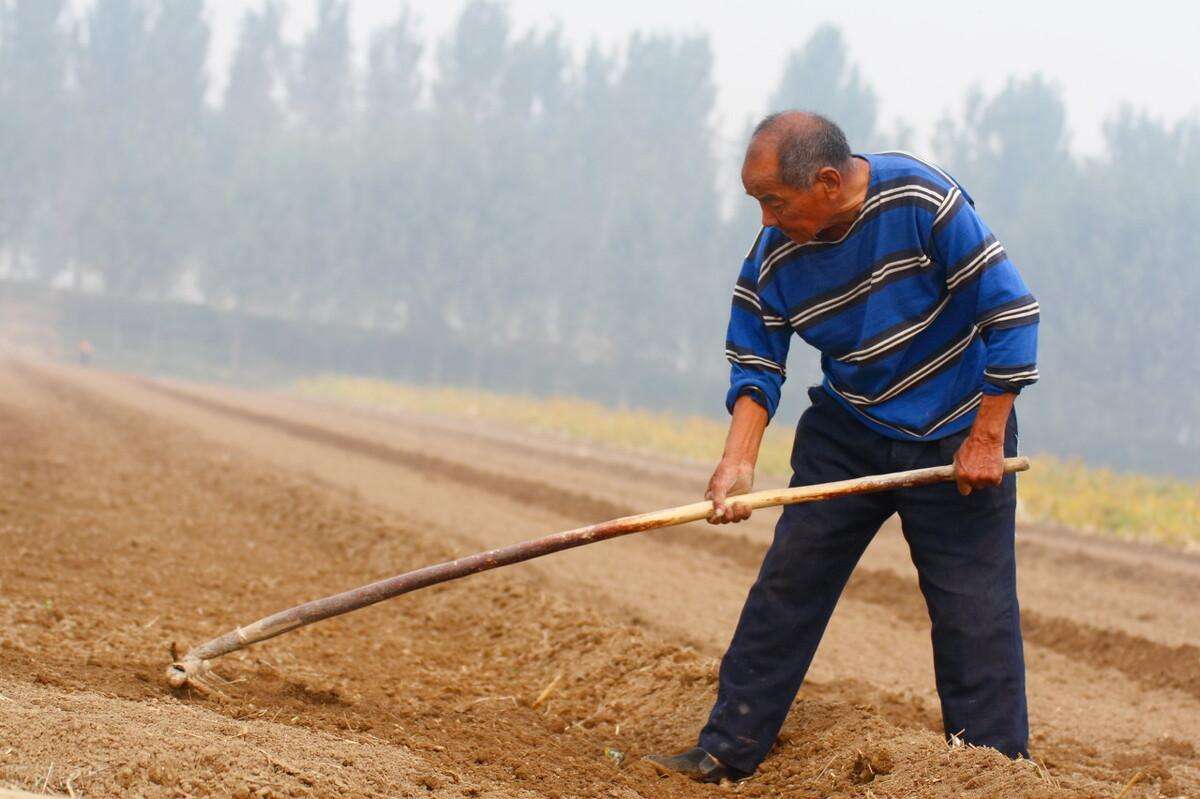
(1091, 500)
(555, 216)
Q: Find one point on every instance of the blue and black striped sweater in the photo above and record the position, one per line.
(916, 310)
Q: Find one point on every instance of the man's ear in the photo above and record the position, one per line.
(830, 178)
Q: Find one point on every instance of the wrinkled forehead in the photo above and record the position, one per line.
(760, 168)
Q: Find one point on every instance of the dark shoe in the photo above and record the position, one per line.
(698, 765)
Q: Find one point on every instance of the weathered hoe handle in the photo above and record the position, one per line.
(194, 662)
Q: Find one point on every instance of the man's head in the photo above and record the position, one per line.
(796, 166)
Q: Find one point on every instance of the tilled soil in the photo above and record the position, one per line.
(134, 514)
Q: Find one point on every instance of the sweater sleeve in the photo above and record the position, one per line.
(1006, 312)
(756, 344)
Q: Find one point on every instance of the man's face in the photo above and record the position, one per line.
(800, 213)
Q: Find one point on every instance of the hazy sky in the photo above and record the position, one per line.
(919, 56)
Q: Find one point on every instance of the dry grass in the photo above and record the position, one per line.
(1085, 498)
(1132, 506)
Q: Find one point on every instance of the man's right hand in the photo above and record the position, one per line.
(731, 478)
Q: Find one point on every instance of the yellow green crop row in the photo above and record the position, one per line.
(1085, 498)
(1134, 506)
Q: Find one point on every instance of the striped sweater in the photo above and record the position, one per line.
(916, 311)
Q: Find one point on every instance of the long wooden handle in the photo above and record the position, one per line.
(195, 661)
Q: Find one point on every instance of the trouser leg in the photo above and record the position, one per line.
(964, 551)
(815, 548)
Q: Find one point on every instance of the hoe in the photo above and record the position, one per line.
(191, 667)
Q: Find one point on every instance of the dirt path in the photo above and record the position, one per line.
(133, 514)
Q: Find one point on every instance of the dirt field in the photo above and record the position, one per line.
(134, 514)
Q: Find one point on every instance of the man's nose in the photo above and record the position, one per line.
(768, 218)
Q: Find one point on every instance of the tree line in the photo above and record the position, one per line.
(529, 198)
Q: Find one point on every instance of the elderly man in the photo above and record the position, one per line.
(926, 333)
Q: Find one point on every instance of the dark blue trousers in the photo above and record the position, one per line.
(963, 548)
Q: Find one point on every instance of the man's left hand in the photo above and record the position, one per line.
(979, 463)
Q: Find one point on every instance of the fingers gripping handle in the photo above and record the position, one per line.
(858, 485)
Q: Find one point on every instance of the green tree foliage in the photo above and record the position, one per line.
(322, 90)
(1011, 144)
(315, 172)
(536, 218)
(393, 73)
(33, 133)
(250, 108)
(169, 149)
(110, 211)
(820, 77)
(1103, 243)
(243, 231)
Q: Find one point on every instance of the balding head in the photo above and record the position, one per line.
(801, 143)
(800, 169)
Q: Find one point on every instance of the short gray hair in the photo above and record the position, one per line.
(805, 143)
